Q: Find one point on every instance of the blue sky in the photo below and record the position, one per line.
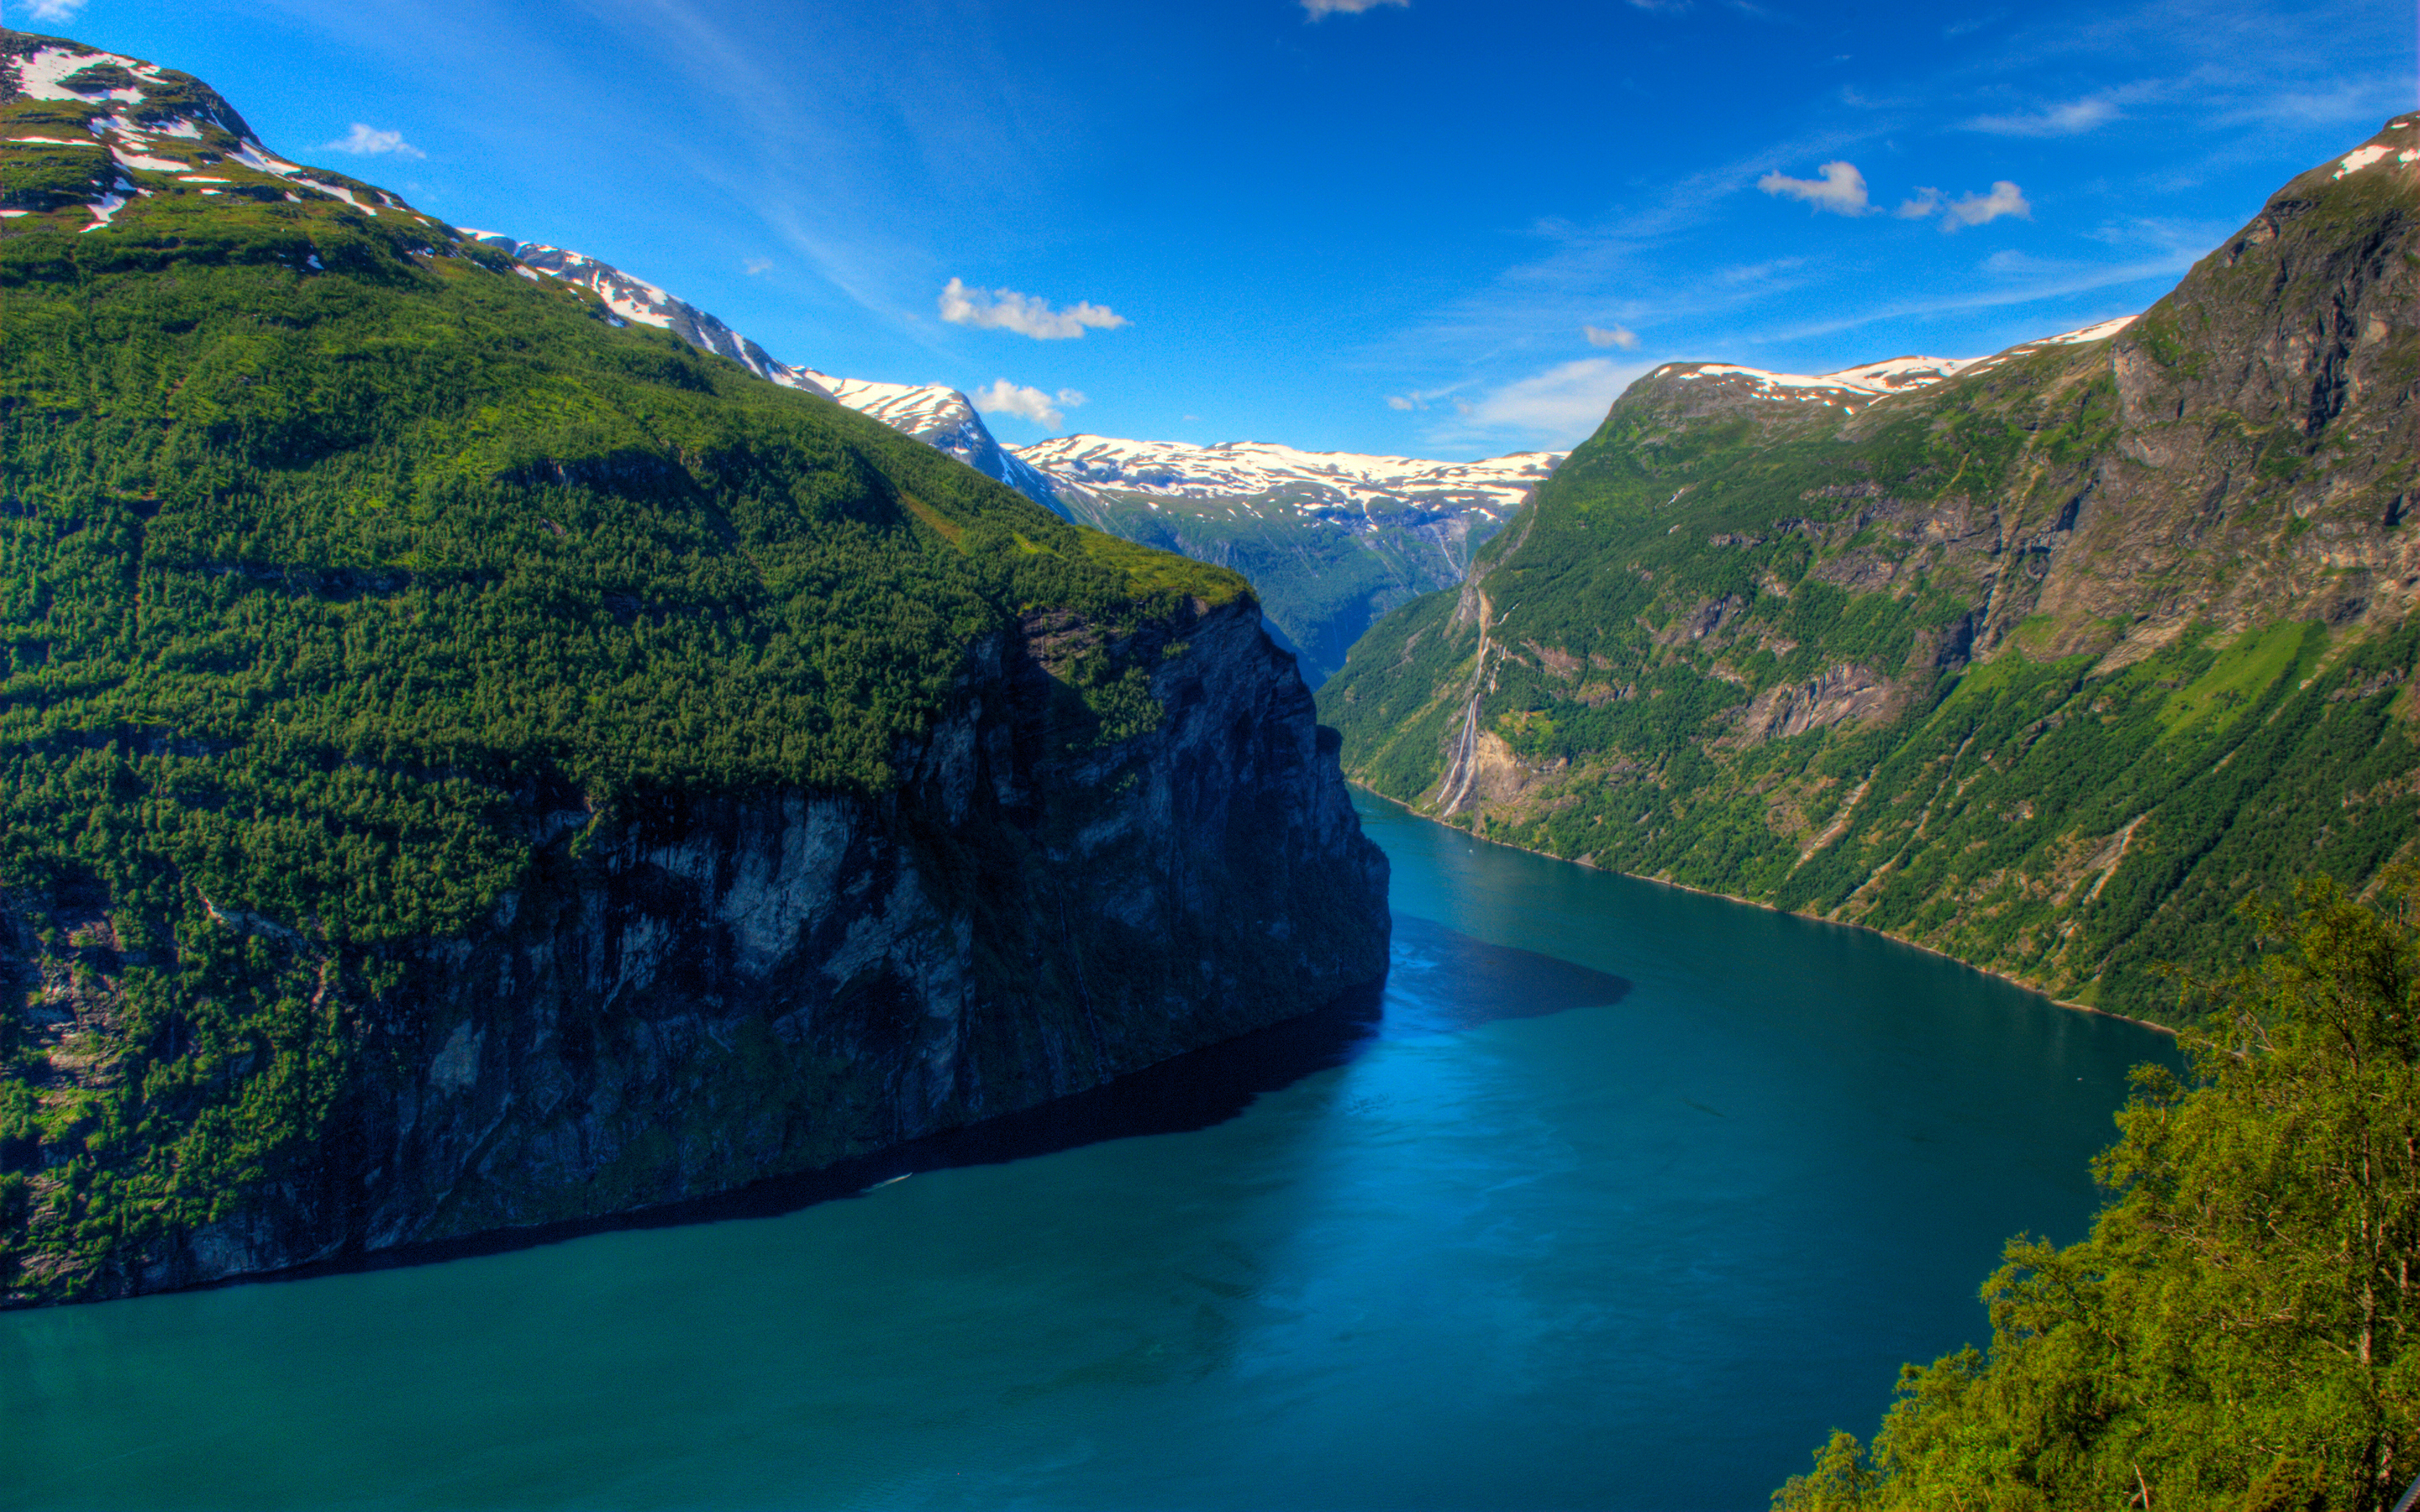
(1442, 227)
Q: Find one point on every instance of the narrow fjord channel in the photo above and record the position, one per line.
(1625, 1197)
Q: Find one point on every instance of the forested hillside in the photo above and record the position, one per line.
(355, 592)
(2045, 666)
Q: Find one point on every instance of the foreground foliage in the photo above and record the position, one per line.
(2238, 1331)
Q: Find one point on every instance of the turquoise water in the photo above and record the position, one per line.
(1622, 1199)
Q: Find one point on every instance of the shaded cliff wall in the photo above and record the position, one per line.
(690, 992)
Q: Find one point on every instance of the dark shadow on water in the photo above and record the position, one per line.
(1440, 981)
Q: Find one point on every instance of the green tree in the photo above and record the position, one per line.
(2237, 1332)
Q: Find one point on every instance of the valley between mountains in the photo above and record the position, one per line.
(388, 603)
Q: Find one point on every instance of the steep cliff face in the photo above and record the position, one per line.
(684, 996)
(2045, 663)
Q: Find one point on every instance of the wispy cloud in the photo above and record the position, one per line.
(1005, 398)
(2038, 284)
(1560, 406)
(1621, 336)
(2360, 99)
(1004, 309)
(2074, 118)
(369, 142)
(754, 266)
(54, 10)
(1842, 190)
(1317, 9)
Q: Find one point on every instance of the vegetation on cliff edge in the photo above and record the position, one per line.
(2241, 1330)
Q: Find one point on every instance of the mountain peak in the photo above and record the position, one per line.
(86, 136)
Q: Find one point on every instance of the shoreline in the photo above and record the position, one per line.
(2170, 1030)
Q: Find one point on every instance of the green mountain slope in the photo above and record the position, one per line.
(2045, 666)
(369, 611)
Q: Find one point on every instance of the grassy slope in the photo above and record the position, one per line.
(313, 581)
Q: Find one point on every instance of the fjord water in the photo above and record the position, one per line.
(1625, 1198)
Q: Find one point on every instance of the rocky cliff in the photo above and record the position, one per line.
(685, 994)
(2045, 662)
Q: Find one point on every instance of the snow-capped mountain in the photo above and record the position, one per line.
(1314, 483)
(1850, 389)
(1331, 539)
(635, 299)
(941, 417)
(166, 132)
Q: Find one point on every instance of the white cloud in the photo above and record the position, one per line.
(53, 9)
(755, 265)
(1006, 398)
(1621, 336)
(1317, 9)
(2071, 119)
(367, 141)
(1975, 209)
(1842, 190)
(1560, 406)
(1004, 309)
(1969, 209)
(1926, 202)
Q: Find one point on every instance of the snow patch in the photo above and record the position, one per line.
(56, 142)
(2358, 159)
(252, 156)
(2103, 331)
(38, 73)
(342, 194)
(137, 160)
(106, 208)
(1899, 373)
